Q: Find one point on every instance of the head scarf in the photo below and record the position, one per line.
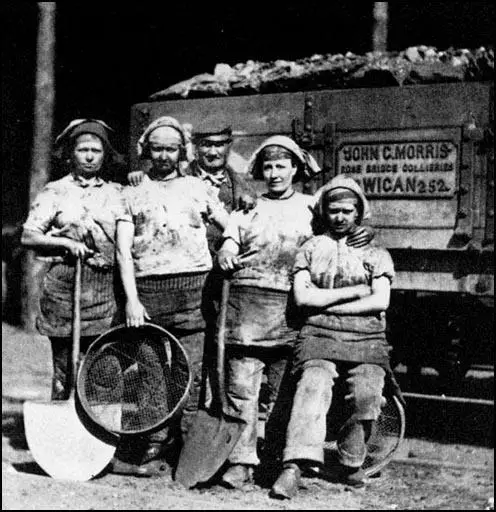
(307, 166)
(77, 127)
(164, 121)
(275, 153)
(343, 194)
(341, 187)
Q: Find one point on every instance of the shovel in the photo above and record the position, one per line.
(213, 434)
(59, 442)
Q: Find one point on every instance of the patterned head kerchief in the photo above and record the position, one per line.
(164, 121)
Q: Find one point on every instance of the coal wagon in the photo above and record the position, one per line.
(424, 156)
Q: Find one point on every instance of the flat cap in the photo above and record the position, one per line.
(211, 127)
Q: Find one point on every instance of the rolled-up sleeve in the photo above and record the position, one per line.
(382, 265)
(42, 211)
(232, 230)
(125, 207)
(303, 257)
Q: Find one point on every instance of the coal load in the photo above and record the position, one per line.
(415, 65)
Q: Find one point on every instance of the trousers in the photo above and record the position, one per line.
(174, 303)
(307, 426)
(245, 367)
(61, 358)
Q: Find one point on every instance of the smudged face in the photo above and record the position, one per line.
(342, 216)
(164, 146)
(278, 175)
(88, 154)
(212, 152)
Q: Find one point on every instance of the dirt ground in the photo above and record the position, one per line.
(446, 460)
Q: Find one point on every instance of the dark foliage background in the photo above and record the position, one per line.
(109, 55)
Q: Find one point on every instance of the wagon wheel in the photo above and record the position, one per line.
(454, 359)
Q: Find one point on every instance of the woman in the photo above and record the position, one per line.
(75, 217)
(345, 291)
(164, 259)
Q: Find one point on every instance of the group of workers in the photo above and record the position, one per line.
(308, 285)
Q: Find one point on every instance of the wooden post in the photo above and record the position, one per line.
(42, 142)
(380, 31)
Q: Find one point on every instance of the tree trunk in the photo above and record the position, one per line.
(42, 142)
(380, 31)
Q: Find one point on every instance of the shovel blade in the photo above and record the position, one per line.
(61, 445)
(209, 443)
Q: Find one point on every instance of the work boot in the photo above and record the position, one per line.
(286, 486)
(138, 459)
(152, 468)
(354, 477)
(352, 447)
(237, 476)
(154, 451)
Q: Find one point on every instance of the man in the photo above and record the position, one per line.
(213, 145)
(212, 148)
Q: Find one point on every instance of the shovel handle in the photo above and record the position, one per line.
(221, 334)
(76, 323)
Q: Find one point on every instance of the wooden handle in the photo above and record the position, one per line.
(221, 343)
(76, 323)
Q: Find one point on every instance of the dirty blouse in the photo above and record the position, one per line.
(170, 219)
(85, 210)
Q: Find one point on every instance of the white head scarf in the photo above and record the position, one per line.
(341, 181)
(308, 166)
